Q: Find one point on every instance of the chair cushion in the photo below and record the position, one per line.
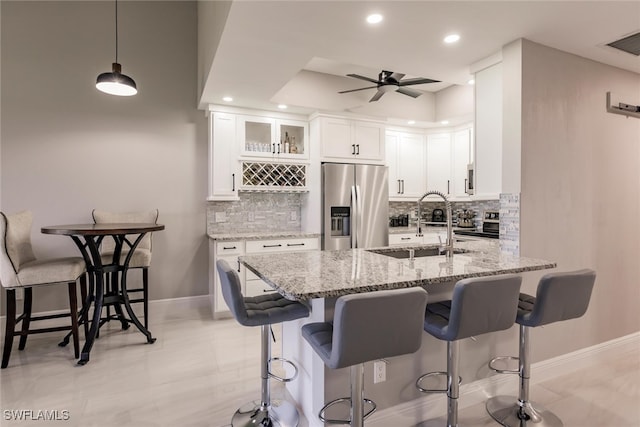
(18, 239)
(54, 270)
(319, 335)
(140, 258)
(272, 308)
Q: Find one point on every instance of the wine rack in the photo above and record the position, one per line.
(258, 176)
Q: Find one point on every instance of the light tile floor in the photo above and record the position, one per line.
(199, 371)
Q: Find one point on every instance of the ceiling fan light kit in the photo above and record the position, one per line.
(390, 81)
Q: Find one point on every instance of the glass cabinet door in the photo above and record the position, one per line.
(292, 140)
(257, 136)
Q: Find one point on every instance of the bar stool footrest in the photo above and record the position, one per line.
(492, 364)
(510, 412)
(340, 400)
(283, 361)
(433, 390)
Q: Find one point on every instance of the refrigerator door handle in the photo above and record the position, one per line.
(359, 215)
(354, 216)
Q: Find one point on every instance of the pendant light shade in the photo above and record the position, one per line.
(116, 83)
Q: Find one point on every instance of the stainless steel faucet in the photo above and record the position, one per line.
(447, 204)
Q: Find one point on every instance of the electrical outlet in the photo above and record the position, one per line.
(293, 215)
(379, 371)
(221, 217)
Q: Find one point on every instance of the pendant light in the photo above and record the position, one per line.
(116, 83)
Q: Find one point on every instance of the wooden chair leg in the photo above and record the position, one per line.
(73, 311)
(145, 295)
(10, 326)
(26, 317)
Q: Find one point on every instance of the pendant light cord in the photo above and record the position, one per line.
(116, 31)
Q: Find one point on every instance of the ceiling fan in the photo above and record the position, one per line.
(389, 81)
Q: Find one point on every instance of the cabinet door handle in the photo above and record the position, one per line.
(238, 265)
(233, 182)
(353, 149)
(273, 148)
(295, 244)
(278, 148)
(399, 191)
(405, 238)
(358, 149)
(466, 188)
(272, 246)
(403, 186)
(229, 247)
(448, 189)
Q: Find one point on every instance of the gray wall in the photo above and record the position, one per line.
(580, 187)
(68, 148)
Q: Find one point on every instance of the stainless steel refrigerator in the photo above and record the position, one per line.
(355, 206)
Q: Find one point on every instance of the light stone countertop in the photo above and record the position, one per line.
(322, 274)
(425, 229)
(261, 236)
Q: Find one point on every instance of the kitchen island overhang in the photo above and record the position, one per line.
(321, 277)
(329, 274)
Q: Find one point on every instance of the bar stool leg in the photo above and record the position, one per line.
(357, 395)
(453, 389)
(266, 413)
(521, 412)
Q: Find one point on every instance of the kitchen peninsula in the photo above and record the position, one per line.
(319, 277)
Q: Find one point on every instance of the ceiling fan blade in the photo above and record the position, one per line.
(355, 90)
(410, 92)
(417, 81)
(377, 96)
(358, 76)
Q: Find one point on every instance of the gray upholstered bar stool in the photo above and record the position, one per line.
(262, 310)
(365, 327)
(560, 296)
(478, 306)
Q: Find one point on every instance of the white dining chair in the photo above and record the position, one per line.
(19, 269)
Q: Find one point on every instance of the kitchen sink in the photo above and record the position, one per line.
(417, 253)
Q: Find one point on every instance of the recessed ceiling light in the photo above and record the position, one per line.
(411, 122)
(452, 38)
(227, 99)
(374, 18)
(444, 122)
(282, 107)
(472, 82)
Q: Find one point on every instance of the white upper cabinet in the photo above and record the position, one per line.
(223, 157)
(448, 155)
(354, 141)
(265, 137)
(406, 159)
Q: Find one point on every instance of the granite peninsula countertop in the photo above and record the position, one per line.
(322, 274)
(261, 236)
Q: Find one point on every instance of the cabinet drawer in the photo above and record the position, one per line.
(229, 248)
(404, 239)
(282, 245)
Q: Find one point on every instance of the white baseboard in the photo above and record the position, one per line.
(434, 405)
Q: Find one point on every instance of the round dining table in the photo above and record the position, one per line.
(87, 238)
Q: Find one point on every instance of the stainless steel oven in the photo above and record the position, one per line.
(491, 222)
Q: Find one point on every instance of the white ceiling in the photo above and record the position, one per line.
(298, 52)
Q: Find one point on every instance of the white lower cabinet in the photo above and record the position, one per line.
(252, 285)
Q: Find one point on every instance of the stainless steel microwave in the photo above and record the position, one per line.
(470, 181)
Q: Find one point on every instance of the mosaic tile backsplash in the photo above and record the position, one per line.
(260, 212)
(510, 223)
(478, 206)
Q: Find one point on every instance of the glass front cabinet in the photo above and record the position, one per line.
(275, 139)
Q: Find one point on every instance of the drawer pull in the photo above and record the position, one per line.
(405, 238)
(295, 244)
(228, 248)
(272, 246)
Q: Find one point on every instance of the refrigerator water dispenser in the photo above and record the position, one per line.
(340, 221)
